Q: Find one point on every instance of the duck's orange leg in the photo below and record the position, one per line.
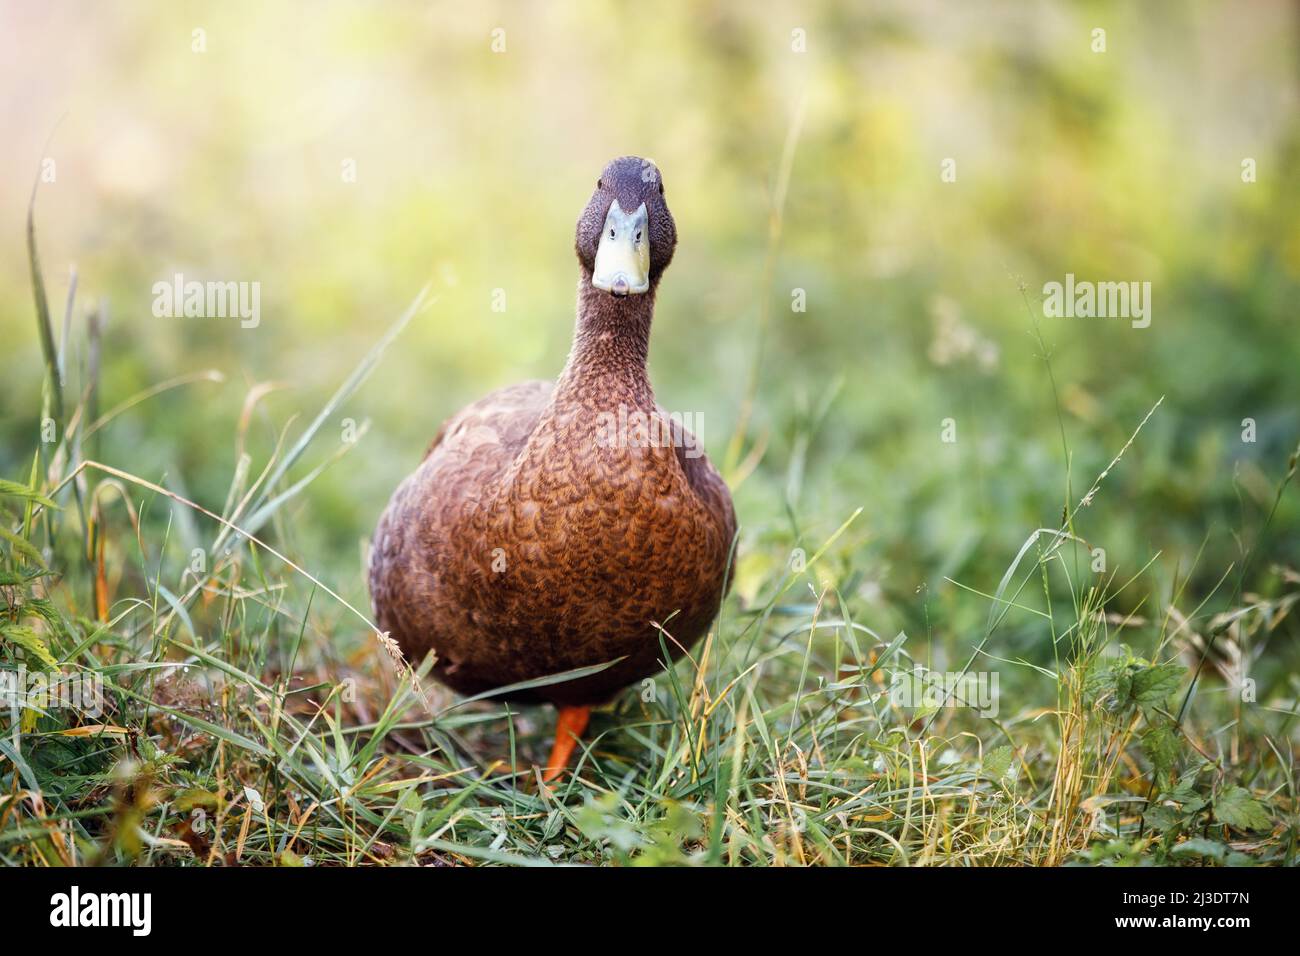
(569, 726)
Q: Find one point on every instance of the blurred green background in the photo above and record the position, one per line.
(472, 165)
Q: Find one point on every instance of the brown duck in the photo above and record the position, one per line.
(550, 527)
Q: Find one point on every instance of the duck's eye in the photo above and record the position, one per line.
(600, 184)
(638, 235)
(611, 234)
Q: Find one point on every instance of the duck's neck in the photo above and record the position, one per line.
(611, 344)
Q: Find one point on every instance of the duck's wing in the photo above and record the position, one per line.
(702, 476)
(417, 547)
(511, 413)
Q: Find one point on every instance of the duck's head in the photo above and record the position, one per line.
(626, 235)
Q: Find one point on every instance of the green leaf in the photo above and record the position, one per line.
(43, 314)
(13, 489)
(1123, 688)
(1162, 819)
(852, 768)
(24, 547)
(1199, 846)
(1194, 804)
(1152, 685)
(21, 579)
(1162, 747)
(1237, 808)
(997, 762)
(26, 638)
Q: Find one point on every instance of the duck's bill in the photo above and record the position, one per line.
(623, 256)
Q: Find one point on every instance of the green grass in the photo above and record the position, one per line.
(252, 716)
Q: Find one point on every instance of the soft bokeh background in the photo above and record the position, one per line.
(472, 165)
